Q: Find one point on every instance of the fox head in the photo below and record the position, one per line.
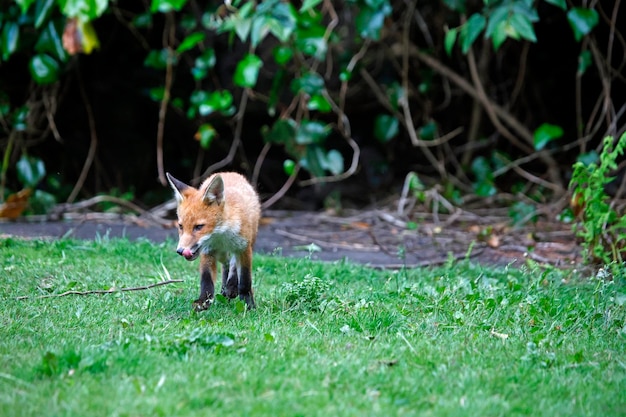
(199, 212)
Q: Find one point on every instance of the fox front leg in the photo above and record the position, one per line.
(244, 268)
(208, 271)
(229, 279)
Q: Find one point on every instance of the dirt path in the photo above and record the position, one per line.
(374, 238)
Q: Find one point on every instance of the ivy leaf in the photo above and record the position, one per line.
(309, 4)
(310, 83)
(30, 170)
(44, 69)
(50, 41)
(311, 132)
(456, 5)
(156, 59)
(24, 4)
(283, 131)
(450, 39)
(247, 71)
(370, 21)
(190, 42)
(310, 41)
(43, 8)
(523, 26)
(319, 103)
(8, 40)
(584, 61)
(289, 166)
(282, 54)
(582, 21)
(82, 9)
(558, 3)
(545, 134)
(333, 162)
(385, 127)
(471, 30)
(165, 6)
(205, 135)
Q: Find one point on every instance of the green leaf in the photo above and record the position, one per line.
(319, 103)
(247, 71)
(524, 27)
(386, 127)
(310, 41)
(289, 166)
(428, 131)
(582, 21)
(143, 20)
(43, 8)
(283, 21)
(282, 54)
(203, 63)
(165, 6)
(205, 134)
(309, 4)
(500, 34)
(558, 3)
(44, 69)
(157, 59)
(30, 171)
(24, 5)
(9, 38)
(450, 39)
(310, 83)
(588, 158)
(217, 101)
(50, 41)
(206, 60)
(370, 21)
(283, 131)
(471, 30)
(456, 5)
(584, 61)
(333, 162)
(545, 134)
(190, 42)
(85, 10)
(311, 131)
(482, 169)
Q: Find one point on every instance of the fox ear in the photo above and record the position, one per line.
(214, 193)
(177, 186)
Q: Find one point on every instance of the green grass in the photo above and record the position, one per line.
(326, 339)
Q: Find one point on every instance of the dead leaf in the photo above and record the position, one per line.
(15, 204)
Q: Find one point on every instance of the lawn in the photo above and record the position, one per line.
(325, 340)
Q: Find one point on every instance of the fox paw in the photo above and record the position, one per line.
(201, 305)
(230, 293)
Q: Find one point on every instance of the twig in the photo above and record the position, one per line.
(166, 94)
(236, 139)
(109, 291)
(63, 208)
(92, 145)
(280, 193)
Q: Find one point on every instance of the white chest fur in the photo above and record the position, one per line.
(224, 240)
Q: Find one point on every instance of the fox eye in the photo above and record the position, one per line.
(180, 226)
(198, 227)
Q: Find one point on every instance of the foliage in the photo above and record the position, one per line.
(324, 80)
(602, 229)
(455, 340)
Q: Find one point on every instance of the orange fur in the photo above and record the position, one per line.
(219, 222)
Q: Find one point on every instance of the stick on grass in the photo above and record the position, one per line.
(109, 291)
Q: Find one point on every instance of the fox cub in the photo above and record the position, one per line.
(219, 222)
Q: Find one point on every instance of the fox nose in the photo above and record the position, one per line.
(180, 251)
